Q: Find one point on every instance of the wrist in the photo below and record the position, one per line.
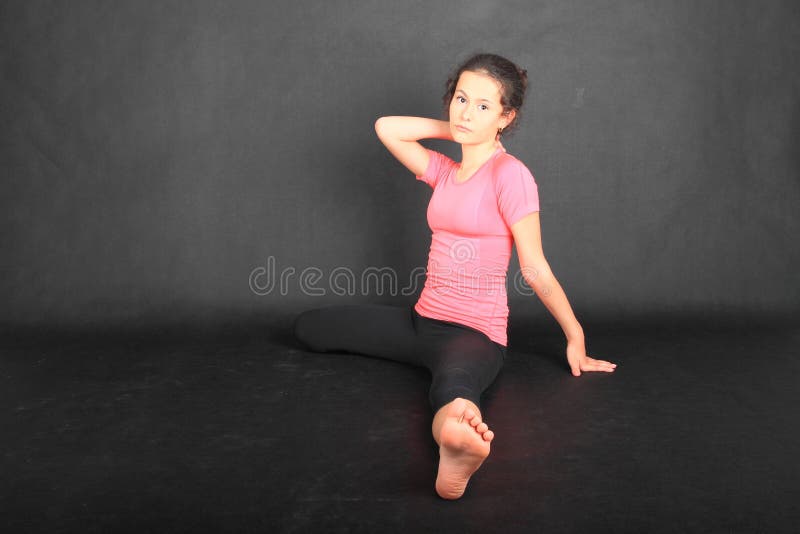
(575, 335)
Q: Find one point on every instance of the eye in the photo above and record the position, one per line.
(484, 106)
(460, 98)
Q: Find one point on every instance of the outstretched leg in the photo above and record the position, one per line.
(379, 330)
(463, 440)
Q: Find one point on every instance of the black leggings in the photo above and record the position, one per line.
(463, 361)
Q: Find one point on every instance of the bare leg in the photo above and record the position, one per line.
(463, 440)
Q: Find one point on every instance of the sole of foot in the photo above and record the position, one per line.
(464, 444)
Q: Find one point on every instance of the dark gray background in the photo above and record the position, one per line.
(156, 154)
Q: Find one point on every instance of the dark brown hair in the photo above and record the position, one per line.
(513, 81)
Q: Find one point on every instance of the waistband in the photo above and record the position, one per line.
(502, 348)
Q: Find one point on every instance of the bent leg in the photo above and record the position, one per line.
(464, 365)
(379, 330)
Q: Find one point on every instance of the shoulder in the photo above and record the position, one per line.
(440, 158)
(437, 167)
(509, 167)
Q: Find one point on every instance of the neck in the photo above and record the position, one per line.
(476, 155)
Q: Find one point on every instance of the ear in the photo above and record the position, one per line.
(508, 118)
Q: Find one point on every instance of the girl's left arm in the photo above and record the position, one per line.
(536, 272)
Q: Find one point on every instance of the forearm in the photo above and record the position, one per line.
(544, 283)
(413, 128)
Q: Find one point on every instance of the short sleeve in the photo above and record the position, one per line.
(439, 166)
(517, 193)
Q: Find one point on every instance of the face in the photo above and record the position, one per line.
(476, 106)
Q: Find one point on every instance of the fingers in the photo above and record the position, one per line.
(590, 364)
(598, 365)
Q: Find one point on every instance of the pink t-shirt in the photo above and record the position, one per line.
(471, 241)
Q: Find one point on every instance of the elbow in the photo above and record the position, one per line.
(387, 127)
(380, 125)
(534, 272)
(531, 277)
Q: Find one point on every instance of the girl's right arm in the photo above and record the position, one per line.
(400, 135)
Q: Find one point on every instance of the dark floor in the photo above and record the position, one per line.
(241, 430)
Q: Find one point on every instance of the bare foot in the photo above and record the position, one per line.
(463, 446)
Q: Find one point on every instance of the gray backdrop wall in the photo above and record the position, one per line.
(175, 158)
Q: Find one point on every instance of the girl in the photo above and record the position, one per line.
(478, 209)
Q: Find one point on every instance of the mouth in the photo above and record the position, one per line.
(462, 128)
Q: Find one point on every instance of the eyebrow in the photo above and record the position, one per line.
(479, 100)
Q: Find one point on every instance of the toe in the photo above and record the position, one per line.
(469, 414)
(481, 428)
(458, 405)
(457, 409)
(488, 435)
